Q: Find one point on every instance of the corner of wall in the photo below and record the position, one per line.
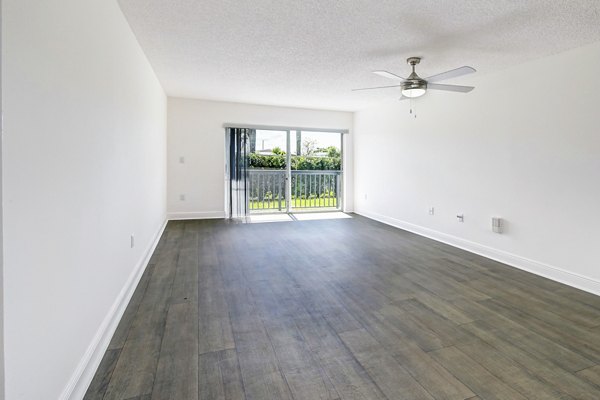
(2, 375)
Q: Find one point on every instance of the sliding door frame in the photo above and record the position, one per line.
(288, 172)
(288, 176)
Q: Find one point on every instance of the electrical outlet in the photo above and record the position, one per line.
(365, 196)
(182, 197)
(431, 210)
(497, 225)
(181, 160)
(132, 240)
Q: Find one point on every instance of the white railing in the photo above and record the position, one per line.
(308, 190)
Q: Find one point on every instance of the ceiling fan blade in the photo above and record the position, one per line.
(450, 88)
(377, 87)
(455, 73)
(389, 75)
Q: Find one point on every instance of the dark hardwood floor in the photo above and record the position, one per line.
(344, 309)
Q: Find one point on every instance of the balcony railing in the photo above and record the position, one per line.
(308, 190)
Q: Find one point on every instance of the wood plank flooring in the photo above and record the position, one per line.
(344, 309)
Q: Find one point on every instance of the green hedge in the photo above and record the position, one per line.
(277, 161)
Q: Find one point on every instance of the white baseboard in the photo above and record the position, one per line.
(84, 373)
(547, 271)
(196, 215)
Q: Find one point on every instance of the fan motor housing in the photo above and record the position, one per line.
(414, 84)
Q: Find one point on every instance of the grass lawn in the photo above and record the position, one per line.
(296, 203)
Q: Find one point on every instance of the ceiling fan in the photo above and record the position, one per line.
(415, 86)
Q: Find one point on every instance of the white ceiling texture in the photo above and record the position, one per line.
(310, 53)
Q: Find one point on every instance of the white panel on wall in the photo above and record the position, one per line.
(517, 146)
(196, 133)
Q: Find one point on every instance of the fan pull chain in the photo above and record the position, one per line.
(411, 108)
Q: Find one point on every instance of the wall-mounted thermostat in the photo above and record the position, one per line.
(497, 224)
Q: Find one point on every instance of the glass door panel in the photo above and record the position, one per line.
(267, 172)
(316, 171)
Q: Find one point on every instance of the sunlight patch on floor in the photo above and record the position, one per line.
(322, 215)
(258, 218)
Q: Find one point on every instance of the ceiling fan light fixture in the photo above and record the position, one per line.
(413, 93)
(414, 86)
(414, 89)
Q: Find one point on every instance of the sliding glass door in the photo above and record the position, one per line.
(294, 171)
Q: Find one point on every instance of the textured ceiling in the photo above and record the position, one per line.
(310, 53)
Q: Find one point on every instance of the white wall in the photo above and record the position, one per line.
(1, 239)
(84, 167)
(524, 145)
(195, 132)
